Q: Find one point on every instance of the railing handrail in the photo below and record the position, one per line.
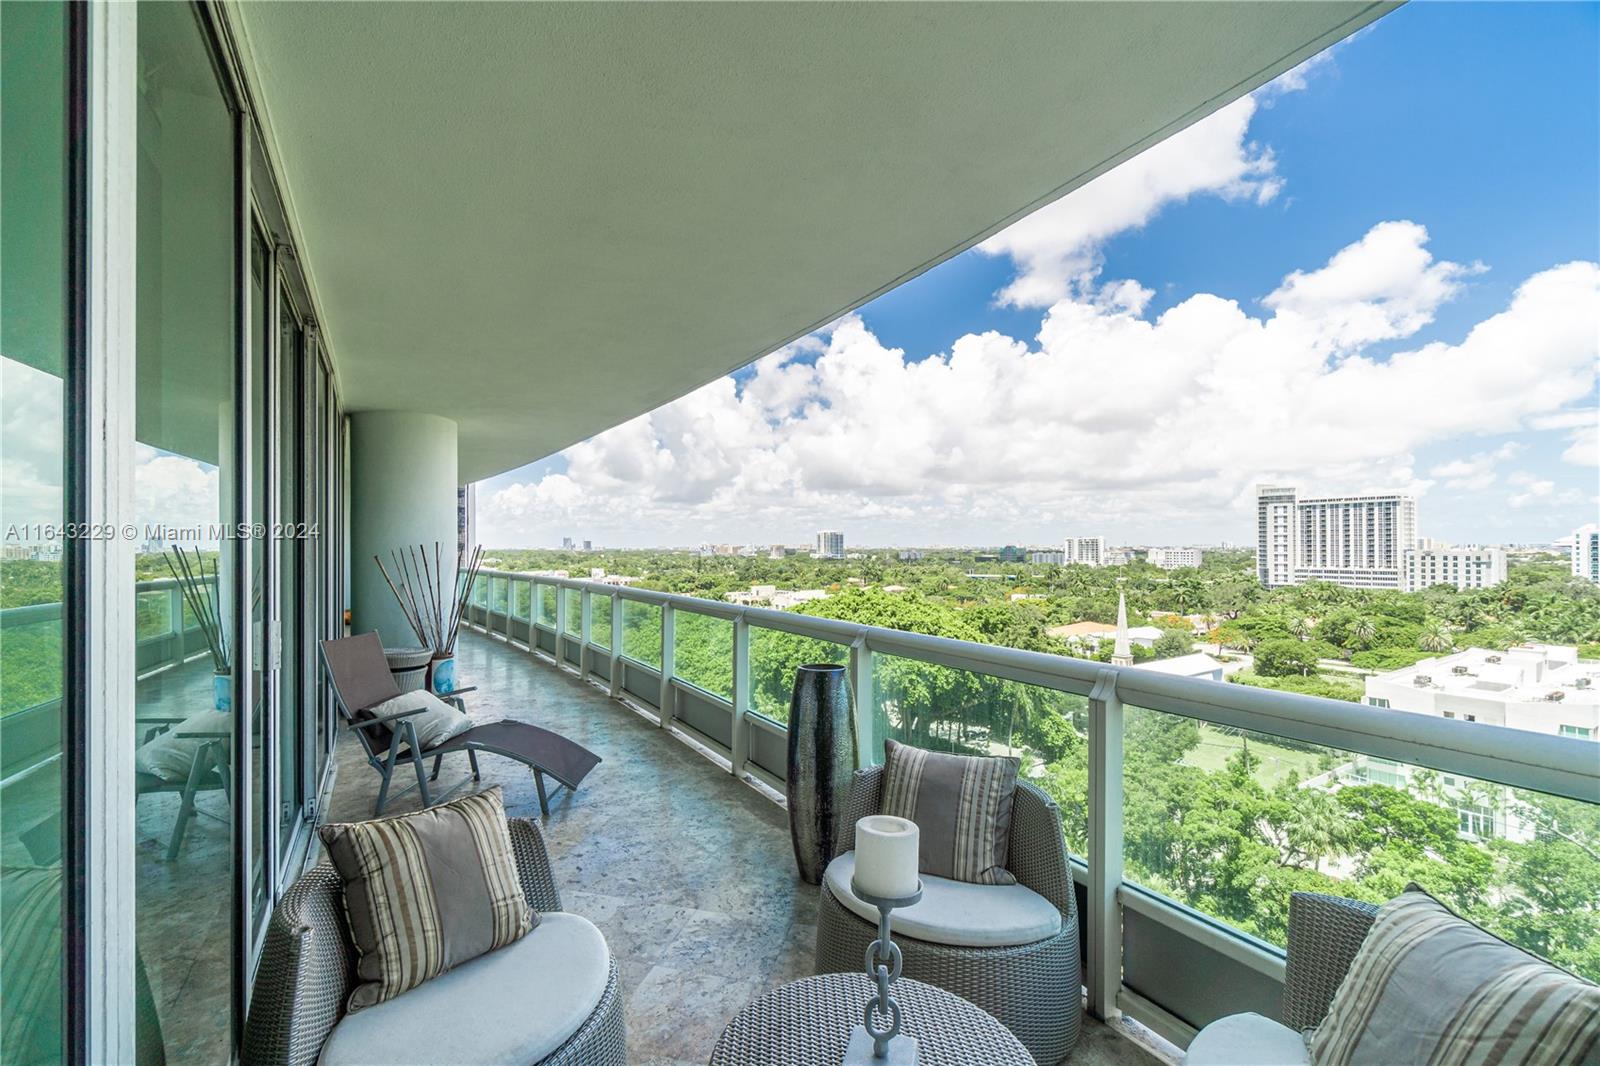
(1540, 762)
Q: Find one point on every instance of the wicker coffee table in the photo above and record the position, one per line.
(808, 1023)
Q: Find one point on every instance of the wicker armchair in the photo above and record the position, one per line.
(1324, 934)
(1035, 989)
(308, 966)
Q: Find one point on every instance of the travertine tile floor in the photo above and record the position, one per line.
(687, 871)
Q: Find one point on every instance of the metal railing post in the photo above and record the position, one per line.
(616, 645)
(1104, 977)
(561, 624)
(585, 624)
(175, 623)
(862, 691)
(741, 694)
(664, 701)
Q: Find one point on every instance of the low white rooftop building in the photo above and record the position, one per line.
(1543, 688)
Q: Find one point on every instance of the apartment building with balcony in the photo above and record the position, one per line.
(303, 271)
(1084, 551)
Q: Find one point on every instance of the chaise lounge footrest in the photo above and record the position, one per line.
(546, 752)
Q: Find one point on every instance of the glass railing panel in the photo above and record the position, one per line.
(152, 614)
(547, 605)
(774, 658)
(1231, 823)
(600, 620)
(521, 600)
(574, 621)
(703, 652)
(641, 632)
(945, 709)
(33, 663)
(480, 591)
(502, 595)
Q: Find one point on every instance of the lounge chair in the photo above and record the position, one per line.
(362, 681)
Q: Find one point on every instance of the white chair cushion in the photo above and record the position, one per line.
(435, 725)
(957, 913)
(507, 1008)
(170, 756)
(1247, 1040)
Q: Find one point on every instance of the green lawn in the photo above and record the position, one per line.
(1276, 762)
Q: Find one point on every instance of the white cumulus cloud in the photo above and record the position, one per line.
(1106, 416)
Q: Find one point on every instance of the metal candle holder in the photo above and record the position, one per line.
(868, 1043)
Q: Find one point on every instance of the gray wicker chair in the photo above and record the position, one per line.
(1324, 934)
(1034, 989)
(308, 966)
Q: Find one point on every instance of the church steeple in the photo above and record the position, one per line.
(1122, 653)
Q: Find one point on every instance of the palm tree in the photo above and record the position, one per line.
(1436, 637)
(1363, 631)
(1301, 627)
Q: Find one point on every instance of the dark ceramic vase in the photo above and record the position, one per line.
(822, 758)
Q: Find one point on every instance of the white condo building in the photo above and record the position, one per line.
(1543, 688)
(1174, 558)
(1086, 551)
(1586, 553)
(1465, 568)
(1355, 541)
(830, 545)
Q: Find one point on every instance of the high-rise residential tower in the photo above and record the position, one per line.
(1586, 553)
(830, 545)
(1355, 541)
(1087, 551)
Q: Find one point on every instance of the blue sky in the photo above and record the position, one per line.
(1478, 125)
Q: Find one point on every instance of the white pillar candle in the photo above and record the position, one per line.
(886, 856)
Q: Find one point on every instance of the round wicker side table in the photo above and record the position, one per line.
(409, 666)
(808, 1023)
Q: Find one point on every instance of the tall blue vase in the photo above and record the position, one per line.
(822, 759)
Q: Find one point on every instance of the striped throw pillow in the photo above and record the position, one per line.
(1429, 987)
(428, 891)
(962, 807)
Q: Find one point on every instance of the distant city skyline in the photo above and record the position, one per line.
(1349, 281)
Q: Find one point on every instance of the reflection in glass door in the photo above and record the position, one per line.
(289, 608)
(187, 483)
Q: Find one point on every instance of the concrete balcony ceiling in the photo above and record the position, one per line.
(542, 220)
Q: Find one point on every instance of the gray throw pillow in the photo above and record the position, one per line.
(437, 723)
(962, 807)
(428, 891)
(1429, 986)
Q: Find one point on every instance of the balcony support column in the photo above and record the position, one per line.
(1104, 976)
(402, 493)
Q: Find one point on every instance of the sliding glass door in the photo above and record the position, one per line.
(188, 481)
(36, 364)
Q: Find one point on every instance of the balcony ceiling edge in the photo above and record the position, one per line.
(543, 220)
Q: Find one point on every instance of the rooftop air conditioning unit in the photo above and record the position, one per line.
(1557, 696)
(1422, 681)
(1459, 671)
(1582, 682)
(1492, 659)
